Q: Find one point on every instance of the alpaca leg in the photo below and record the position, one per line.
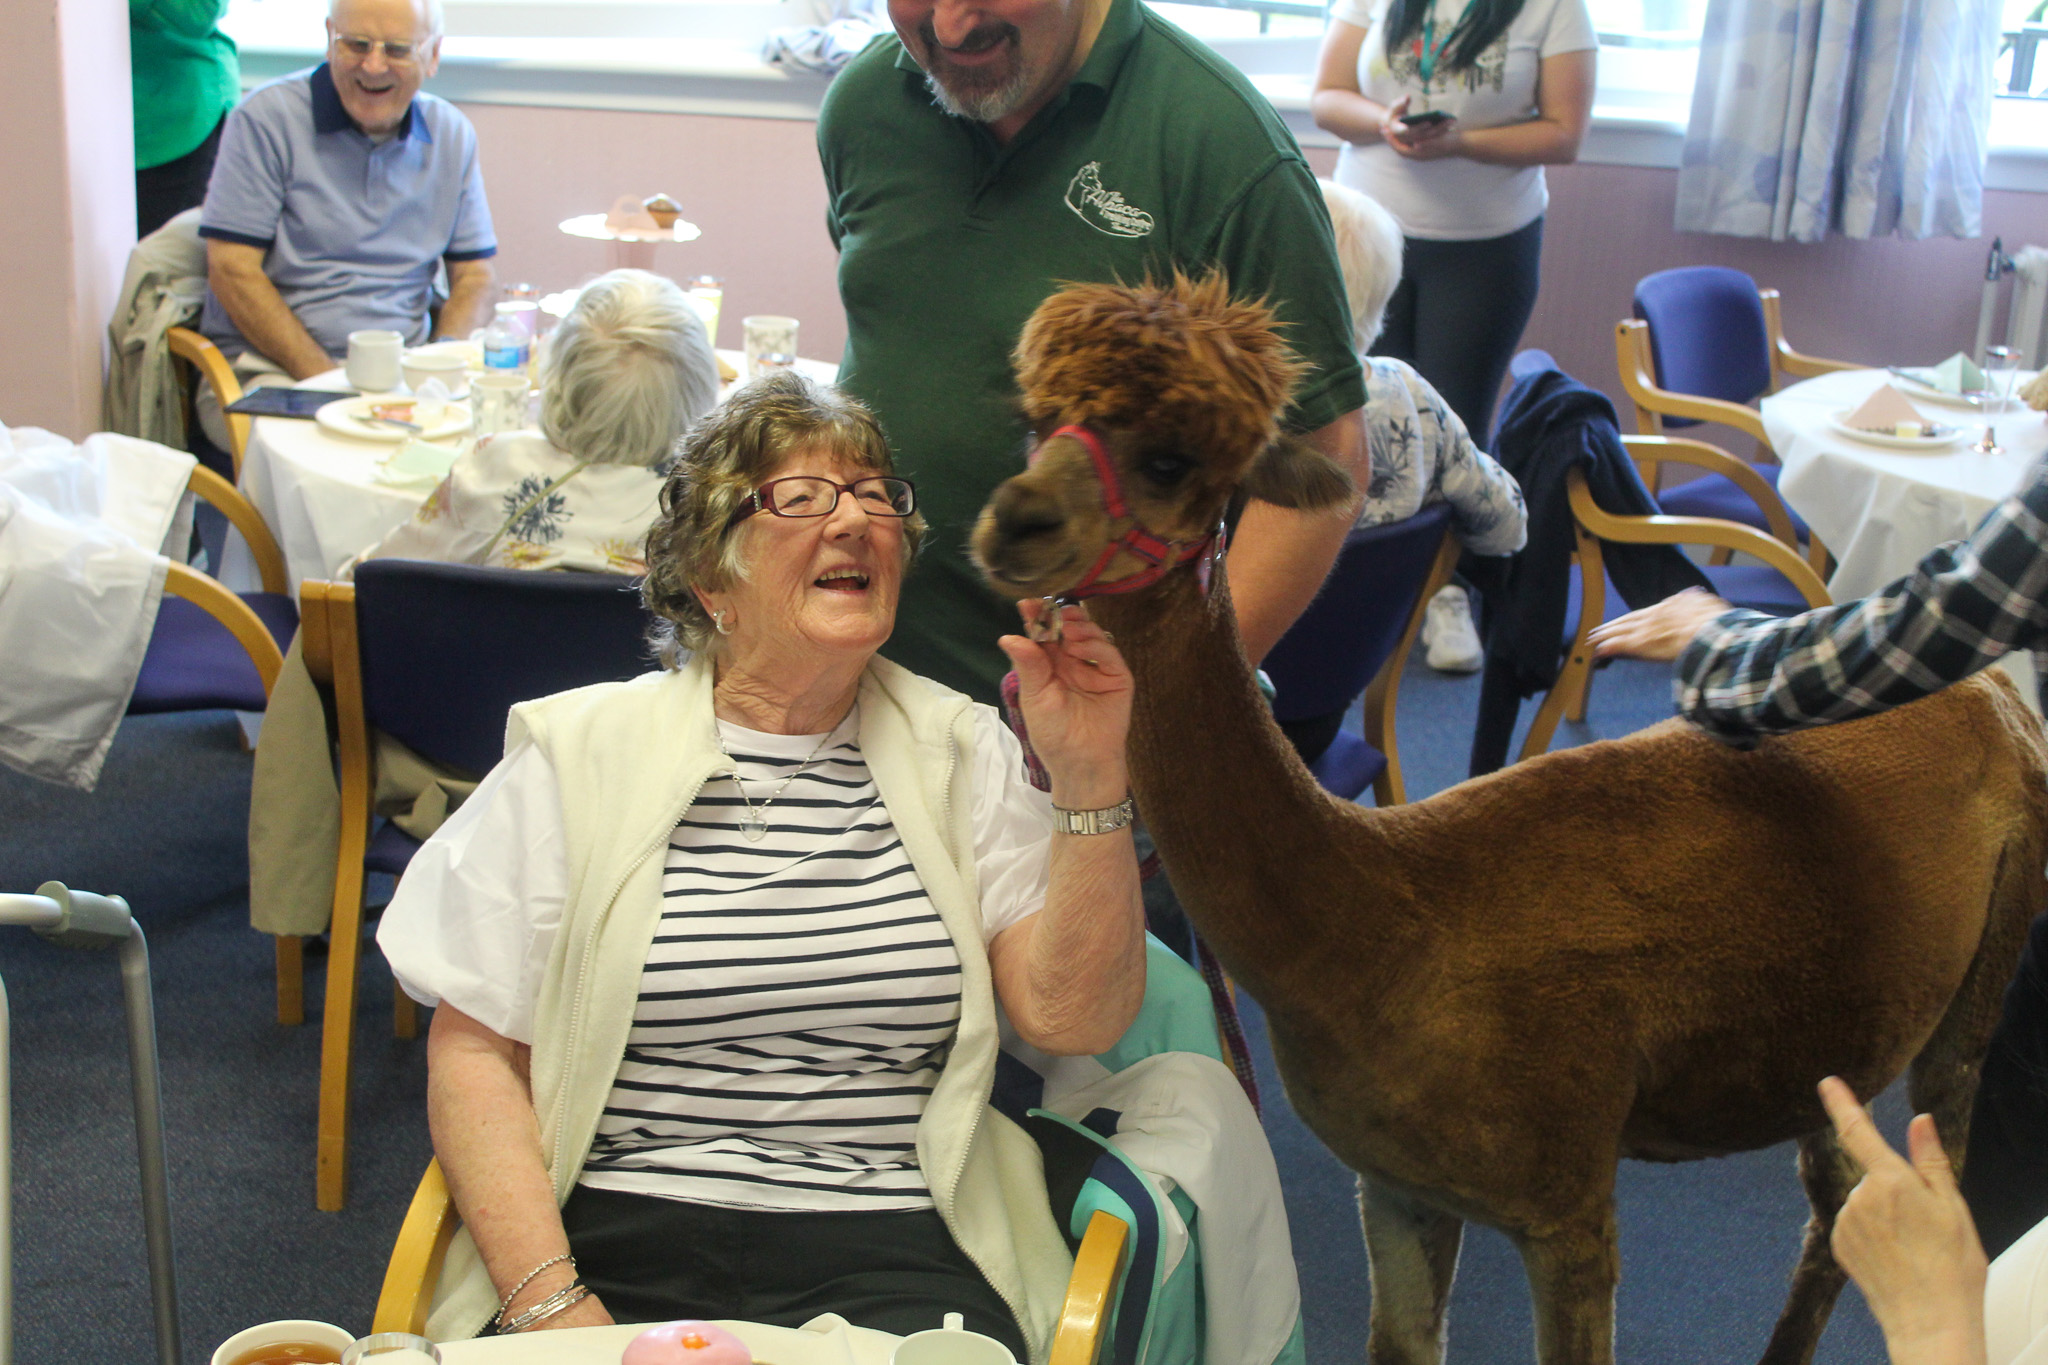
(1828, 1174)
(1572, 1273)
(1413, 1252)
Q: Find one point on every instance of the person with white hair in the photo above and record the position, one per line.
(1421, 451)
(338, 193)
(626, 373)
(629, 372)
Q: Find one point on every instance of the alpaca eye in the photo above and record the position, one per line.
(1165, 470)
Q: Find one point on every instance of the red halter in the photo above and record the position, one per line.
(1160, 556)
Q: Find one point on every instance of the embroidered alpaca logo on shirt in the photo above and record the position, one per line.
(1102, 208)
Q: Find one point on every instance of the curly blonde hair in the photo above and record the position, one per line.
(695, 544)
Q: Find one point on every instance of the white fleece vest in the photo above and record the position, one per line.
(630, 759)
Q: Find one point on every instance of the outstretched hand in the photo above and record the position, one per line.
(1661, 631)
(1075, 692)
(1905, 1236)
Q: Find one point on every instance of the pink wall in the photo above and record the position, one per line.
(70, 217)
(752, 185)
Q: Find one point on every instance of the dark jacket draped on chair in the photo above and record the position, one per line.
(1550, 423)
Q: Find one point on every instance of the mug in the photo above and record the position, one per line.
(951, 1345)
(373, 360)
(446, 366)
(766, 334)
(497, 402)
(286, 1331)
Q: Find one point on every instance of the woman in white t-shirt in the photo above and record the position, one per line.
(1449, 110)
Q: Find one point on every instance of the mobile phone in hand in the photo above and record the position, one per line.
(1425, 118)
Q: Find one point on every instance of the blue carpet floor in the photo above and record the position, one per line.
(1706, 1247)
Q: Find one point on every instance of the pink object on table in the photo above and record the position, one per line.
(687, 1342)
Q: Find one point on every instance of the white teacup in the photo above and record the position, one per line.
(373, 360)
(420, 366)
(951, 1345)
(282, 1332)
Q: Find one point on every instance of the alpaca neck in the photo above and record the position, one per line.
(1238, 818)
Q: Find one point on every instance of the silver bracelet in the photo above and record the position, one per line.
(559, 1301)
(1104, 821)
(506, 1302)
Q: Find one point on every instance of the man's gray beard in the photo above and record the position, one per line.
(983, 106)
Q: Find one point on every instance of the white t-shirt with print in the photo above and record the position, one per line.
(1455, 199)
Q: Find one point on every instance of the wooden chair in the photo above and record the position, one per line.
(435, 655)
(213, 370)
(1356, 636)
(413, 1272)
(1593, 525)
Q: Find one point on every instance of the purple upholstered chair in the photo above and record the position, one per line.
(1354, 638)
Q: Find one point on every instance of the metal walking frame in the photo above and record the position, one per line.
(80, 919)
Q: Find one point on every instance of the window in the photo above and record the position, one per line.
(2022, 69)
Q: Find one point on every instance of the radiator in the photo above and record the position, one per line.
(2026, 322)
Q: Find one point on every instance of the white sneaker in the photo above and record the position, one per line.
(1447, 632)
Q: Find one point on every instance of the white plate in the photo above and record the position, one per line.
(1949, 436)
(1978, 400)
(347, 417)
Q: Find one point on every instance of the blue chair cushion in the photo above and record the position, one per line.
(194, 663)
(1715, 495)
(1758, 587)
(1707, 333)
(1348, 766)
(390, 850)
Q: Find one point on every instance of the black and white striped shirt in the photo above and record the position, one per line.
(797, 1001)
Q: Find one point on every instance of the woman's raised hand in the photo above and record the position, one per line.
(1075, 691)
(1905, 1236)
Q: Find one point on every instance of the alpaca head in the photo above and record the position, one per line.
(1179, 388)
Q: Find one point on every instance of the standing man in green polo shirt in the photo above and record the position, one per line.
(185, 76)
(993, 149)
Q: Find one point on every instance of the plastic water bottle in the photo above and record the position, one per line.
(506, 342)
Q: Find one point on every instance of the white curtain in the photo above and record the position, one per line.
(1863, 117)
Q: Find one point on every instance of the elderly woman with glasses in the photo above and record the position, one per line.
(718, 951)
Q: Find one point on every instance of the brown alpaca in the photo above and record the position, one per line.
(1652, 947)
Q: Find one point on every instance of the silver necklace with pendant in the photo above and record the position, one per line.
(754, 824)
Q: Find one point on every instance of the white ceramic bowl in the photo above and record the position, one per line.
(279, 1332)
(420, 366)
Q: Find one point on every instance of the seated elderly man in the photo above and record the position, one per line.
(337, 192)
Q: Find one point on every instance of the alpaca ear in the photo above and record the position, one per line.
(1292, 473)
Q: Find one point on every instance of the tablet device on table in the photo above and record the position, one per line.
(279, 401)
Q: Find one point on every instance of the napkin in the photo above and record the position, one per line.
(1885, 410)
(630, 215)
(1957, 374)
(433, 392)
(417, 464)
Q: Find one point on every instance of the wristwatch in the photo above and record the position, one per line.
(1102, 821)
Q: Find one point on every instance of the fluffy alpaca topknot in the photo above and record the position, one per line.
(1183, 359)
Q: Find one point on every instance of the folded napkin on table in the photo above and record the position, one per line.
(417, 464)
(1886, 410)
(1957, 374)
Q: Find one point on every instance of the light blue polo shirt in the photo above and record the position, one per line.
(352, 228)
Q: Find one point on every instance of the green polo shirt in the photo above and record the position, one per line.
(184, 73)
(1159, 154)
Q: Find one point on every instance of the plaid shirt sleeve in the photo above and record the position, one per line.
(1966, 604)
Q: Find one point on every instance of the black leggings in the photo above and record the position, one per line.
(1458, 313)
(653, 1260)
(163, 192)
(2005, 1171)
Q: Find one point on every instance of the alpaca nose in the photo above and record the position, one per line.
(1023, 511)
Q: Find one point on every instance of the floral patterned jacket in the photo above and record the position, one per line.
(1421, 454)
(516, 502)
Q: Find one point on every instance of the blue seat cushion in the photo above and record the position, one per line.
(1716, 495)
(390, 850)
(1348, 766)
(1756, 586)
(194, 663)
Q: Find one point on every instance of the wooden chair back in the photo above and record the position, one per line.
(218, 375)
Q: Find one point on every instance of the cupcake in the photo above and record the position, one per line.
(688, 1342)
(663, 210)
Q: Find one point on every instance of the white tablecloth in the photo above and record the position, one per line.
(827, 1340)
(1880, 510)
(319, 494)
